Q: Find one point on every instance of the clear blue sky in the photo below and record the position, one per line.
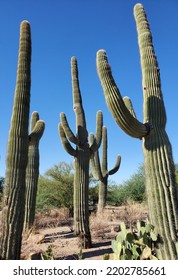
(63, 28)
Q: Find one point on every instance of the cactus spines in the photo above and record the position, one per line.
(100, 170)
(82, 154)
(17, 153)
(159, 167)
(32, 171)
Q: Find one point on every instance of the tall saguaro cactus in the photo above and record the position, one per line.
(32, 171)
(17, 153)
(81, 155)
(100, 170)
(159, 167)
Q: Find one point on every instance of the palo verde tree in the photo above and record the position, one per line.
(17, 153)
(82, 155)
(158, 160)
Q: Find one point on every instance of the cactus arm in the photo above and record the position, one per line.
(104, 163)
(94, 168)
(116, 167)
(37, 131)
(114, 100)
(95, 163)
(67, 129)
(65, 142)
(96, 141)
(17, 153)
(99, 125)
(34, 119)
(128, 104)
(92, 139)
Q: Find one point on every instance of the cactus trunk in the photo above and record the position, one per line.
(158, 160)
(81, 183)
(102, 195)
(159, 165)
(100, 170)
(17, 154)
(32, 174)
(82, 155)
(32, 171)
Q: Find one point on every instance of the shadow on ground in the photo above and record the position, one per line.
(97, 250)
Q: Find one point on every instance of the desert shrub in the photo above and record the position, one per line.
(132, 189)
(53, 194)
(131, 212)
(55, 188)
(53, 218)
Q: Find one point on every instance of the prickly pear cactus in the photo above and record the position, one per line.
(138, 245)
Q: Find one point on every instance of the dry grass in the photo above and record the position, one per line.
(106, 224)
(131, 212)
(53, 218)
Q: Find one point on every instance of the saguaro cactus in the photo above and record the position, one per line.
(82, 155)
(32, 171)
(100, 170)
(17, 153)
(159, 166)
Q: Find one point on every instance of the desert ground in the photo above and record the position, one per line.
(53, 236)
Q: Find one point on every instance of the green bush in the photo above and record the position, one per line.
(55, 188)
(132, 189)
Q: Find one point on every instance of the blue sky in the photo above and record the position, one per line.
(65, 28)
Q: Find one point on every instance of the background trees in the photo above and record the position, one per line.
(132, 189)
(55, 188)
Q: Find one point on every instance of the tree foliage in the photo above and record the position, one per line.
(55, 188)
(131, 189)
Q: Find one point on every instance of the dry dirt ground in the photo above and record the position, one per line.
(53, 229)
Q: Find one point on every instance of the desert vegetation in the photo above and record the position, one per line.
(72, 208)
